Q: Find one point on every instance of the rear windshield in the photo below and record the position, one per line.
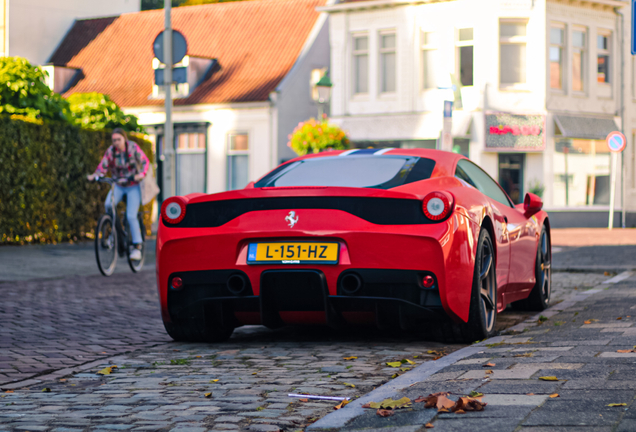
(379, 172)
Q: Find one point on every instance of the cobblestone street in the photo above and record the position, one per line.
(56, 334)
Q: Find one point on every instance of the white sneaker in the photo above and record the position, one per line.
(135, 255)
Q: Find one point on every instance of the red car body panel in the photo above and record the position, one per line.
(446, 249)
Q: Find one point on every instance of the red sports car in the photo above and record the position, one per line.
(407, 239)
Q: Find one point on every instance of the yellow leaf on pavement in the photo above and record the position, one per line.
(616, 404)
(106, 370)
(208, 395)
(389, 404)
(349, 384)
(341, 404)
(410, 361)
(394, 364)
(349, 358)
(214, 380)
(548, 378)
(46, 390)
(554, 395)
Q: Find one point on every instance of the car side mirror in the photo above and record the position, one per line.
(532, 204)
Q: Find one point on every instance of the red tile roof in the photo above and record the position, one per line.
(256, 43)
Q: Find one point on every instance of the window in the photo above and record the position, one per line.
(361, 64)
(579, 43)
(482, 181)
(512, 52)
(380, 172)
(603, 57)
(557, 48)
(429, 60)
(465, 51)
(191, 141)
(237, 161)
(387, 62)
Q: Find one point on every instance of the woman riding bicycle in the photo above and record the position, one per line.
(126, 162)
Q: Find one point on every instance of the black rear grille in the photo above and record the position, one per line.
(380, 211)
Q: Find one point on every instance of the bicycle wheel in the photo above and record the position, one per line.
(106, 245)
(136, 266)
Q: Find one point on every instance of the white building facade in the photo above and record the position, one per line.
(536, 84)
(33, 28)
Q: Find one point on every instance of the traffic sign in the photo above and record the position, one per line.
(179, 47)
(616, 141)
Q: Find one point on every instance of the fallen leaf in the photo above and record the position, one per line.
(475, 394)
(616, 404)
(385, 412)
(254, 373)
(389, 404)
(62, 379)
(415, 356)
(395, 375)
(429, 426)
(304, 400)
(214, 380)
(528, 354)
(554, 395)
(460, 411)
(529, 394)
(444, 403)
(349, 385)
(341, 404)
(548, 378)
(488, 365)
(410, 361)
(619, 318)
(208, 395)
(489, 371)
(176, 350)
(106, 370)
(46, 390)
(394, 364)
(9, 391)
(626, 351)
(437, 358)
(197, 356)
(349, 358)
(587, 322)
(405, 369)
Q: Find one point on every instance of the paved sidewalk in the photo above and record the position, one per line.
(577, 341)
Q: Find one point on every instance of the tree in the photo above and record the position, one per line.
(313, 136)
(24, 92)
(97, 111)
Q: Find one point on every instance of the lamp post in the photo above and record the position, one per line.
(323, 87)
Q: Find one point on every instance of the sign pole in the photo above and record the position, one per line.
(616, 143)
(447, 127)
(168, 133)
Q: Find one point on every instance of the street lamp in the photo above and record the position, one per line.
(323, 92)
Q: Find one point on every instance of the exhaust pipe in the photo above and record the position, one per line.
(236, 284)
(350, 283)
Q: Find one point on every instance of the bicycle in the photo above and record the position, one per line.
(113, 238)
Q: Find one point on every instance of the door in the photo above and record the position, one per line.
(511, 175)
(191, 162)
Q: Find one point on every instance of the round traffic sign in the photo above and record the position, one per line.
(616, 141)
(179, 47)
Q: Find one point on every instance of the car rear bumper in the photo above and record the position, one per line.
(389, 298)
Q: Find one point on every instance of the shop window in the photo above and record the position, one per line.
(557, 48)
(237, 161)
(512, 52)
(361, 64)
(387, 62)
(581, 173)
(603, 57)
(579, 44)
(429, 60)
(466, 57)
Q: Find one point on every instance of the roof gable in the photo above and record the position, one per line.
(256, 43)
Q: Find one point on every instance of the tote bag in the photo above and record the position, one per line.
(149, 188)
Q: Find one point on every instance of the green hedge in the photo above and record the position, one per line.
(44, 194)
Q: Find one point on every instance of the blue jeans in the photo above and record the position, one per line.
(133, 199)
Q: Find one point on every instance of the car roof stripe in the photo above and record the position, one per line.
(348, 152)
(381, 152)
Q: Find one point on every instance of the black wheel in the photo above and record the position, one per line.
(482, 316)
(136, 265)
(539, 298)
(194, 331)
(106, 245)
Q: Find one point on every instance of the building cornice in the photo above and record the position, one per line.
(592, 3)
(374, 4)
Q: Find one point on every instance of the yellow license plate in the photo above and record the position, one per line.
(293, 253)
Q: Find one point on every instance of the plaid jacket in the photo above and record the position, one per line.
(124, 164)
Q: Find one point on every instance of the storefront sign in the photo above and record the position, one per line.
(514, 132)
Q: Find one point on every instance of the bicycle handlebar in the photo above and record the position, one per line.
(111, 180)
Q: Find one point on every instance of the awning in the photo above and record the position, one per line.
(571, 126)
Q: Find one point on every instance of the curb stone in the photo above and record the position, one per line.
(340, 418)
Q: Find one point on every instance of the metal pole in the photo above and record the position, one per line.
(613, 167)
(622, 161)
(168, 134)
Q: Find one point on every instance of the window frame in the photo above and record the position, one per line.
(584, 61)
(381, 58)
(514, 40)
(428, 48)
(606, 52)
(459, 44)
(354, 56)
(231, 153)
(563, 46)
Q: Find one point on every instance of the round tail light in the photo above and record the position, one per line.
(428, 281)
(437, 205)
(177, 283)
(173, 210)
